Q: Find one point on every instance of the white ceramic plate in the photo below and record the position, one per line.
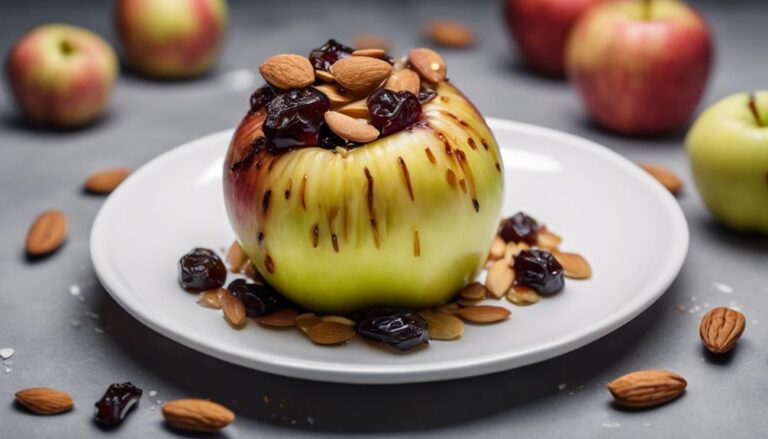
(629, 228)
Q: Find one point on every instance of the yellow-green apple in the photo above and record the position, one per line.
(540, 29)
(640, 66)
(61, 75)
(728, 150)
(171, 39)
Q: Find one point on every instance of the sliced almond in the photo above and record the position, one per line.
(404, 80)
(428, 64)
(306, 321)
(328, 333)
(373, 53)
(449, 308)
(285, 318)
(473, 291)
(443, 326)
(574, 265)
(521, 295)
(484, 314)
(450, 33)
(324, 76)
(44, 400)
(197, 415)
(337, 99)
(236, 258)
(510, 251)
(234, 310)
(47, 233)
(356, 109)
(209, 299)
(371, 42)
(497, 249)
(360, 73)
(499, 279)
(288, 71)
(338, 319)
(548, 240)
(665, 176)
(468, 302)
(349, 128)
(107, 180)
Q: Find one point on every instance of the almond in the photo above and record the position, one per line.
(404, 80)
(450, 33)
(548, 240)
(500, 278)
(665, 176)
(47, 233)
(285, 318)
(209, 299)
(339, 319)
(497, 249)
(234, 310)
(428, 64)
(443, 326)
(574, 265)
(720, 329)
(357, 109)
(468, 302)
(373, 53)
(337, 99)
(473, 291)
(646, 388)
(360, 73)
(327, 333)
(370, 42)
(236, 258)
(197, 415)
(509, 253)
(104, 182)
(44, 400)
(288, 71)
(521, 295)
(324, 76)
(449, 308)
(305, 322)
(349, 128)
(484, 314)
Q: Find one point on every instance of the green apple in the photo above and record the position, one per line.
(728, 150)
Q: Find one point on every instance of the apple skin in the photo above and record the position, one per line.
(728, 152)
(171, 39)
(340, 232)
(61, 76)
(640, 74)
(540, 29)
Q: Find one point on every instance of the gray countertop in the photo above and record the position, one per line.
(82, 346)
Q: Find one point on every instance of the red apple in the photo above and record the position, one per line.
(640, 66)
(540, 28)
(171, 38)
(61, 75)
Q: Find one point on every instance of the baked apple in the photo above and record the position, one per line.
(358, 180)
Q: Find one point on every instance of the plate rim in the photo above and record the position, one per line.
(453, 369)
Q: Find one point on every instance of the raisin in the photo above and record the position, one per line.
(402, 329)
(519, 228)
(295, 118)
(201, 269)
(116, 404)
(393, 111)
(539, 270)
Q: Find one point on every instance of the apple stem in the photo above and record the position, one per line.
(647, 8)
(753, 109)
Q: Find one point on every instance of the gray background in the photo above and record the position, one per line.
(57, 338)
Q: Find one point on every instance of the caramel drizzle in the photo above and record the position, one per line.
(430, 156)
(472, 143)
(498, 167)
(451, 177)
(371, 212)
(416, 243)
(463, 184)
(485, 144)
(406, 176)
(461, 157)
(335, 242)
(265, 201)
(302, 191)
(315, 236)
(447, 144)
(288, 189)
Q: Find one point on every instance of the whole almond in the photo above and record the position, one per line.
(357, 109)
(373, 53)
(665, 176)
(521, 295)
(473, 291)
(197, 415)
(450, 33)
(360, 73)
(328, 333)
(449, 308)
(370, 42)
(442, 326)
(44, 400)
(288, 71)
(574, 265)
(404, 80)
(337, 98)
(497, 249)
(236, 258)
(305, 322)
(349, 128)
(284, 318)
(428, 64)
(234, 310)
(210, 299)
(646, 388)
(104, 182)
(47, 233)
(500, 278)
(720, 329)
(484, 314)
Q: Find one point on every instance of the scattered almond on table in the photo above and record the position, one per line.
(371, 42)
(197, 415)
(47, 233)
(720, 329)
(448, 33)
(646, 388)
(665, 176)
(44, 400)
(106, 181)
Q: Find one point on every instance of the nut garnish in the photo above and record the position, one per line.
(443, 326)
(404, 80)
(497, 248)
(234, 310)
(510, 251)
(665, 176)
(236, 258)
(197, 415)
(473, 291)
(44, 400)
(449, 308)
(720, 329)
(324, 76)
(370, 42)
(284, 318)
(107, 180)
(373, 53)
(47, 233)
(338, 319)
(521, 295)
(646, 388)
(500, 278)
(326, 333)
(468, 302)
(209, 299)
(428, 64)
(548, 240)
(349, 128)
(450, 33)
(574, 265)
(306, 321)
(360, 73)
(337, 99)
(288, 71)
(484, 314)
(357, 109)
